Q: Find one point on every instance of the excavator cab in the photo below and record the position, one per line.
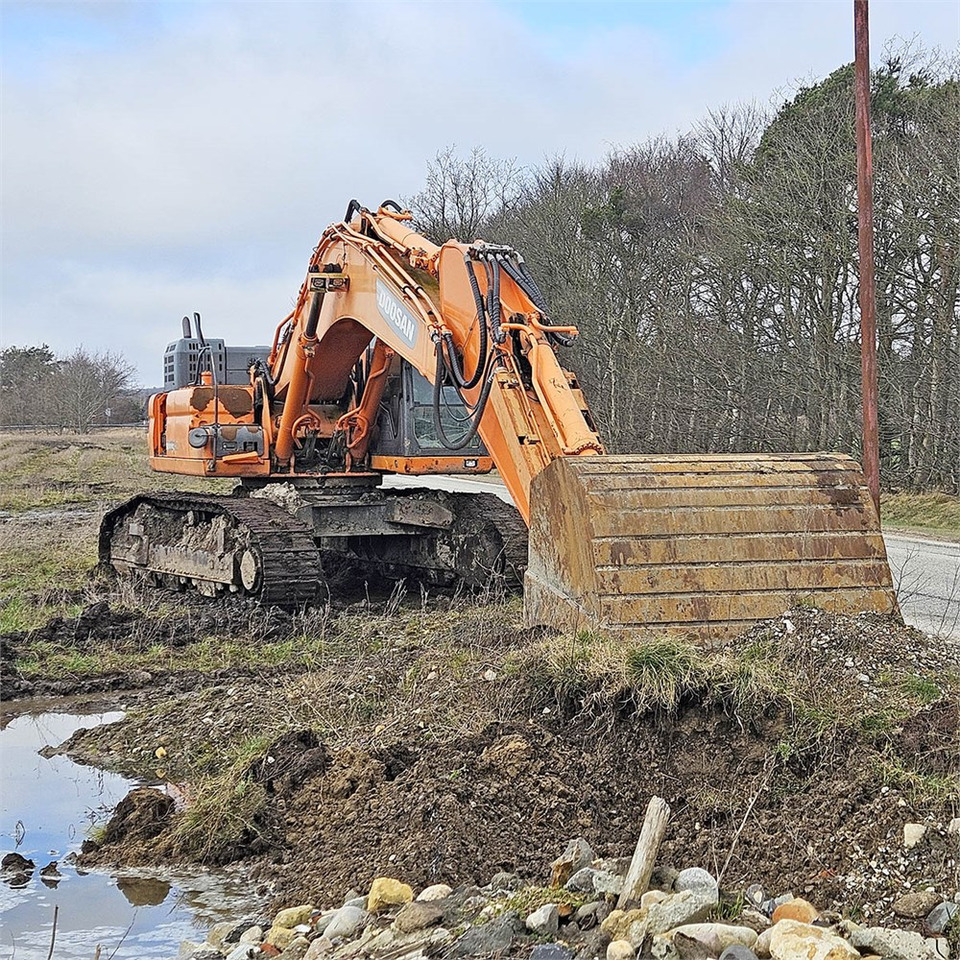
(406, 439)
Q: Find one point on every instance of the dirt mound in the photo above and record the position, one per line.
(140, 817)
(792, 759)
(289, 763)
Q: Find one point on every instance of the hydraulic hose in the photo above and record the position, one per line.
(452, 360)
(493, 298)
(521, 277)
(480, 406)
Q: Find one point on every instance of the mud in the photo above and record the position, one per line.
(457, 784)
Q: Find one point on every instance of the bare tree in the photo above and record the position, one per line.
(85, 385)
(464, 194)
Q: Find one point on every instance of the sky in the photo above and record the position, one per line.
(161, 158)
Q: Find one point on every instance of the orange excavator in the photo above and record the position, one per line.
(404, 357)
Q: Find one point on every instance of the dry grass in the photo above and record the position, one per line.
(55, 471)
(937, 513)
(55, 489)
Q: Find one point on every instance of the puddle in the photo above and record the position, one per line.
(47, 809)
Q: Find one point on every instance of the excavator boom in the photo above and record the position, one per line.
(622, 544)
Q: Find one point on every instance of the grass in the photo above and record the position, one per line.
(528, 899)
(55, 661)
(937, 513)
(51, 471)
(228, 809)
(920, 788)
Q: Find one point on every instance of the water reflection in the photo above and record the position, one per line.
(143, 891)
(47, 807)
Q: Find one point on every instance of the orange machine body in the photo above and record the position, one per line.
(375, 291)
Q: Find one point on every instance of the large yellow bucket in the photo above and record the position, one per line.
(701, 545)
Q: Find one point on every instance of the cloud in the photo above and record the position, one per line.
(160, 159)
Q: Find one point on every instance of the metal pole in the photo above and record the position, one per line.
(868, 293)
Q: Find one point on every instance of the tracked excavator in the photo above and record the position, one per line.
(402, 357)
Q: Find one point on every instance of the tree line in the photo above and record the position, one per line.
(713, 276)
(76, 392)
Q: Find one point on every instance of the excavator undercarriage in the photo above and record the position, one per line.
(288, 545)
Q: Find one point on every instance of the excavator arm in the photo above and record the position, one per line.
(464, 315)
(702, 545)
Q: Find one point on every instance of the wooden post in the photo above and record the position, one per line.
(868, 286)
(645, 856)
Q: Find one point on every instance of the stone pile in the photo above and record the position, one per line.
(683, 916)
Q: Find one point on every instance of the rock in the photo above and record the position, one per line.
(416, 916)
(697, 880)
(768, 906)
(243, 952)
(651, 897)
(206, 953)
(319, 948)
(187, 947)
(738, 952)
(621, 950)
(715, 937)
(661, 915)
(939, 947)
(913, 833)
(586, 916)
(697, 941)
(762, 947)
(391, 943)
(577, 855)
(293, 915)
(493, 937)
(324, 920)
(790, 940)
(360, 902)
(386, 892)
(607, 884)
(297, 949)
(347, 923)
(937, 919)
(280, 937)
(581, 881)
(545, 920)
(218, 933)
(437, 891)
(889, 944)
(797, 909)
(551, 951)
(251, 934)
(246, 932)
(16, 863)
(678, 909)
(755, 894)
(916, 904)
(754, 918)
(505, 881)
(953, 829)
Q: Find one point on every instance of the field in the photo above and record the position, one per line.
(440, 729)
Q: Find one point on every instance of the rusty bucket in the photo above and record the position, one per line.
(702, 546)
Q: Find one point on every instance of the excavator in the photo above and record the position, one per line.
(405, 358)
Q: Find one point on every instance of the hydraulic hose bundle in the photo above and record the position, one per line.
(449, 366)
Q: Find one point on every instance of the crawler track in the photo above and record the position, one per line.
(217, 543)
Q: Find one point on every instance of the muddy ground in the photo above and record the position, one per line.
(439, 740)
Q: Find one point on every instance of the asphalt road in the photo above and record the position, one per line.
(925, 572)
(927, 576)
